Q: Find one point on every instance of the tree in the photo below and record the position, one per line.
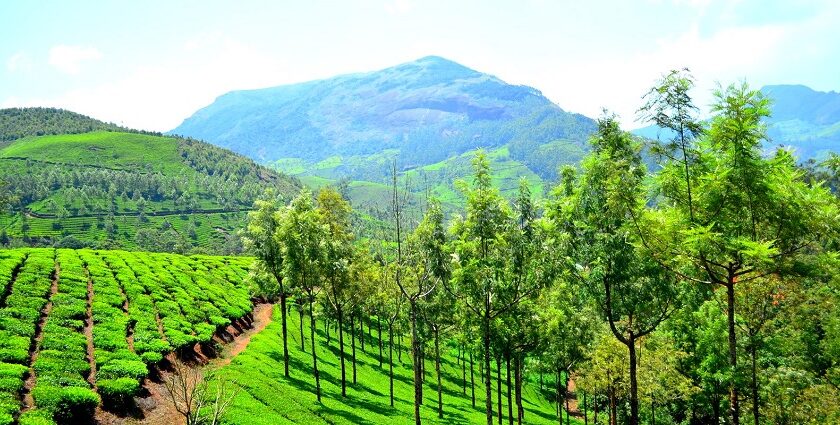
(437, 310)
(260, 238)
(633, 293)
(482, 251)
(415, 272)
(751, 216)
(334, 213)
(302, 238)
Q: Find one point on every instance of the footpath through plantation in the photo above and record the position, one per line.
(80, 326)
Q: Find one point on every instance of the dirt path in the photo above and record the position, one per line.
(89, 330)
(262, 317)
(155, 407)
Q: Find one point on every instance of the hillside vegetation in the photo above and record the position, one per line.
(129, 190)
(80, 328)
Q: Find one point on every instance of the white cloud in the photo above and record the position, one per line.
(399, 7)
(69, 59)
(19, 61)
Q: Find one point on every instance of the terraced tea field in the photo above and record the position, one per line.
(80, 328)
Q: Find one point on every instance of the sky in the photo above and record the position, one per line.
(150, 64)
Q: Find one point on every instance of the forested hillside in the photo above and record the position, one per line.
(122, 189)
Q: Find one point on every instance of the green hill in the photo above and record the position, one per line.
(129, 190)
(74, 321)
(267, 397)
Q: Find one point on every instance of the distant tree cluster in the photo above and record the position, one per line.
(16, 123)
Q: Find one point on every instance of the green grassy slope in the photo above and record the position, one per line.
(103, 188)
(267, 397)
(74, 321)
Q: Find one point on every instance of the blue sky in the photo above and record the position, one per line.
(150, 64)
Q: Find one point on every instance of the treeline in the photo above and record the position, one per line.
(16, 123)
(707, 292)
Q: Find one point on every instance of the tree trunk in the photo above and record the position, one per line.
(595, 407)
(634, 385)
(379, 331)
(285, 333)
(353, 343)
(734, 408)
(613, 407)
(509, 393)
(472, 379)
(585, 413)
(314, 353)
(341, 351)
(755, 399)
(437, 371)
(499, 388)
(486, 366)
(653, 413)
(391, 361)
(520, 411)
(567, 396)
(559, 397)
(399, 345)
(463, 372)
(362, 333)
(327, 330)
(418, 395)
(302, 342)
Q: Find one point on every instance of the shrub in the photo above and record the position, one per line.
(76, 404)
(12, 371)
(124, 369)
(36, 417)
(119, 391)
(151, 357)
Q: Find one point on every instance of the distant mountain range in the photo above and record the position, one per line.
(430, 115)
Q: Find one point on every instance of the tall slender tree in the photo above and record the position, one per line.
(260, 238)
(482, 252)
(334, 213)
(302, 237)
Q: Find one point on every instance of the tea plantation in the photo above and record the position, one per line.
(80, 328)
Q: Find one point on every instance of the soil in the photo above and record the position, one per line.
(154, 407)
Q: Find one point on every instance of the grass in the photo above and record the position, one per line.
(267, 397)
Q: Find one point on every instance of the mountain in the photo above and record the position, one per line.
(119, 188)
(804, 119)
(418, 113)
